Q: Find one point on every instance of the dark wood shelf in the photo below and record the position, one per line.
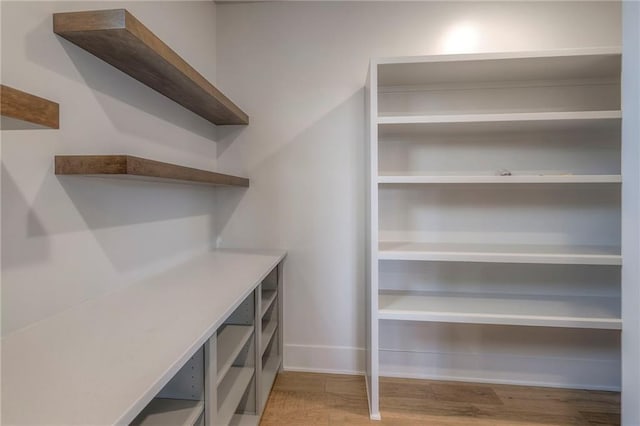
(118, 38)
(126, 166)
(21, 110)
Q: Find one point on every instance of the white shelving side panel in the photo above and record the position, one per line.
(231, 340)
(513, 179)
(170, 412)
(500, 253)
(268, 296)
(269, 373)
(548, 311)
(231, 391)
(569, 118)
(592, 63)
(124, 358)
(267, 334)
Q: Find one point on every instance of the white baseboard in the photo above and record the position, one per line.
(324, 359)
(481, 368)
(572, 373)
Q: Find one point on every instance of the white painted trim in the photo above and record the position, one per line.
(509, 369)
(630, 212)
(446, 378)
(324, 359)
(335, 360)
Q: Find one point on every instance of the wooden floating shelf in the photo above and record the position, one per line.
(126, 166)
(118, 38)
(21, 110)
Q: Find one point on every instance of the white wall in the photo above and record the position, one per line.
(630, 214)
(299, 70)
(69, 239)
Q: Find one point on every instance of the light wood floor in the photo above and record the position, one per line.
(326, 399)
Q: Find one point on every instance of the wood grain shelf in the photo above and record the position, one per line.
(127, 166)
(21, 110)
(118, 38)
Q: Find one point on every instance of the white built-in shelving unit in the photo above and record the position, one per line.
(494, 204)
(271, 342)
(193, 358)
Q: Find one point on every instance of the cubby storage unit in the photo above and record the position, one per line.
(271, 344)
(21, 110)
(493, 219)
(118, 38)
(130, 167)
(193, 358)
(180, 402)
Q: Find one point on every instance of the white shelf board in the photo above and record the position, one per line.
(546, 311)
(245, 420)
(269, 373)
(231, 340)
(542, 118)
(500, 253)
(170, 412)
(268, 296)
(600, 121)
(513, 179)
(102, 362)
(564, 64)
(231, 391)
(267, 333)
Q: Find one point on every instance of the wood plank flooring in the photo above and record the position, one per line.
(309, 399)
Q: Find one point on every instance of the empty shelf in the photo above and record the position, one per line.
(513, 179)
(231, 340)
(268, 296)
(269, 373)
(501, 253)
(542, 119)
(230, 392)
(548, 311)
(21, 110)
(566, 64)
(170, 412)
(118, 38)
(127, 166)
(267, 334)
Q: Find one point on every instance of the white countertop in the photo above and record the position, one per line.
(103, 361)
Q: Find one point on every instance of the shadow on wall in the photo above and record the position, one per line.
(44, 48)
(225, 137)
(107, 208)
(307, 197)
(22, 231)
